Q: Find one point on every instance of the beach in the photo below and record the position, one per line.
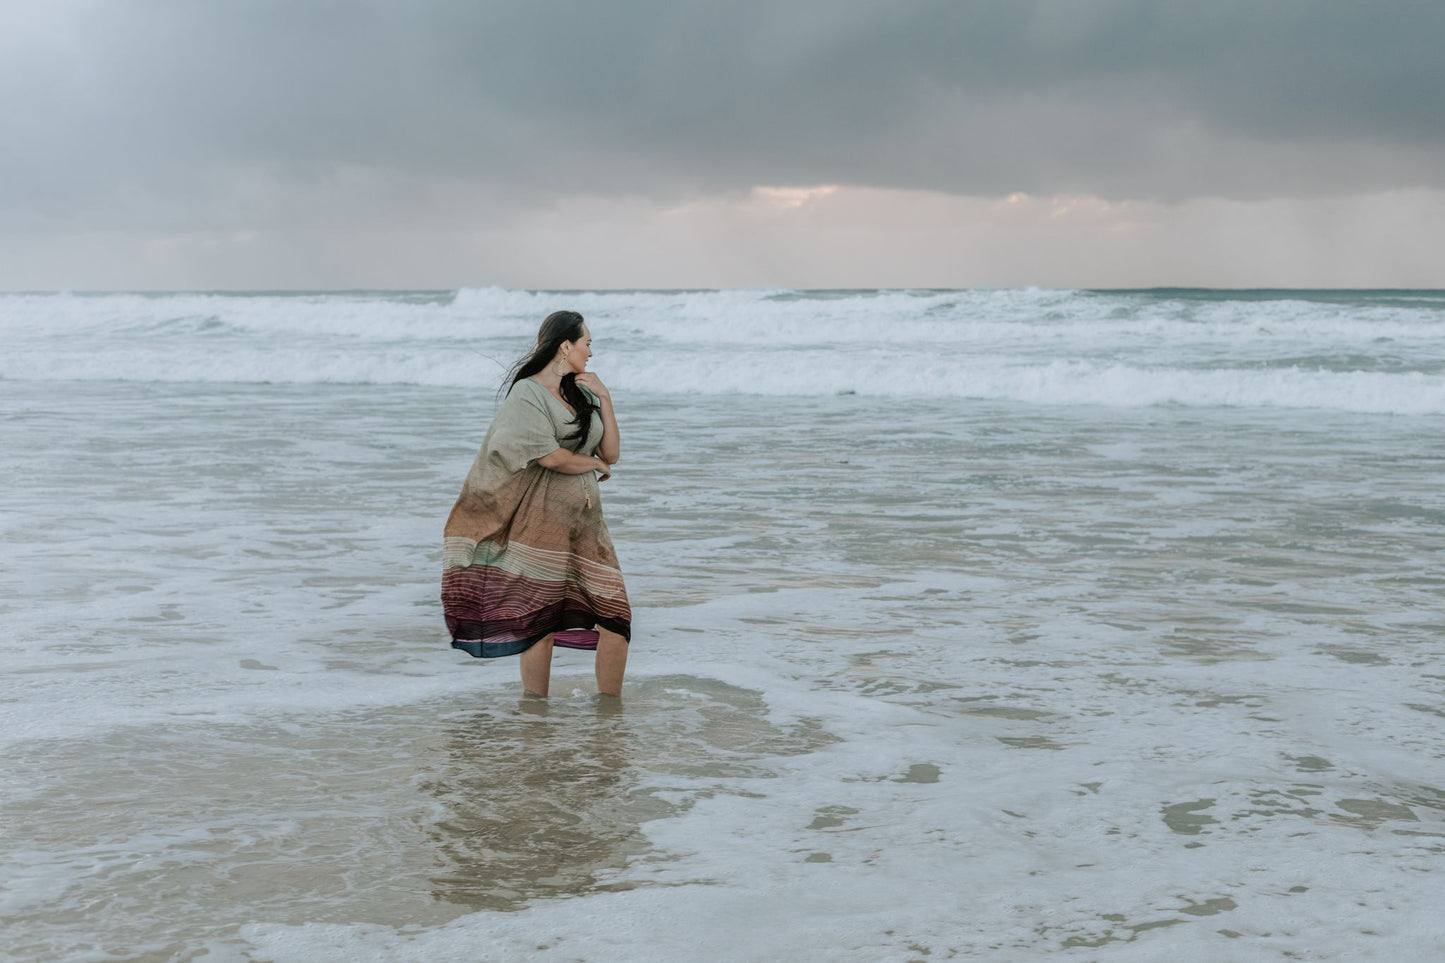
(983, 624)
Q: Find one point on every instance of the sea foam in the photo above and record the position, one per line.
(1368, 352)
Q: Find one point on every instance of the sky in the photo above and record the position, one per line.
(325, 144)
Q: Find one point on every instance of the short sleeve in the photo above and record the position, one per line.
(522, 431)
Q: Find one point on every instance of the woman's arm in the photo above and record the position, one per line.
(571, 463)
(609, 448)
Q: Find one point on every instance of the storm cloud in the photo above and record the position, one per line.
(157, 117)
(121, 106)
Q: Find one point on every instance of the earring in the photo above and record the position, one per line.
(562, 368)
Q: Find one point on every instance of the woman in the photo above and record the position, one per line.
(527, 555)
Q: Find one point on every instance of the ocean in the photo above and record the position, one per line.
(1096, 625)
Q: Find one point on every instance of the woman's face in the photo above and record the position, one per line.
(580, 351)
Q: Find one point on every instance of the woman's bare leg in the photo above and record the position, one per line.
(611, 662)
(537, 666)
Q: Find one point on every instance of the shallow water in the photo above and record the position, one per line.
(1103, 625)
(970, 677)
(173, 836)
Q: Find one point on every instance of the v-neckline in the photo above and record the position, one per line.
(565, 407)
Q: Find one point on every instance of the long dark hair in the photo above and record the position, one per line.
(559, 326)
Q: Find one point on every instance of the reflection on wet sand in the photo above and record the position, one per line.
(547, 798)
(539, 801)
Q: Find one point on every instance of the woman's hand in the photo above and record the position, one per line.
(594, 384)
(604, 468)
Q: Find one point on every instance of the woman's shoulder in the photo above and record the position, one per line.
(523, 400)
(526, 389)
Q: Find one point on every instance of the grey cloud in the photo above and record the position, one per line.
(151, 112)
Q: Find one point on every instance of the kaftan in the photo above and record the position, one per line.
(526, 550)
